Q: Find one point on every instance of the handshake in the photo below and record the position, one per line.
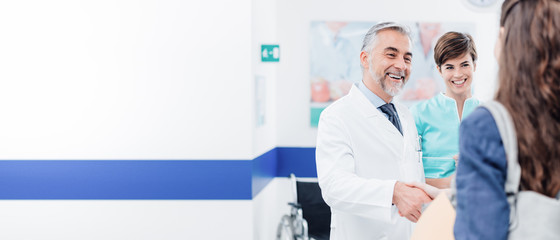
(410, 198)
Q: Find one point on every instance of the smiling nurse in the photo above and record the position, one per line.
(438, 119)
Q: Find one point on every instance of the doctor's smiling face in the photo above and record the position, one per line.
(387, 65)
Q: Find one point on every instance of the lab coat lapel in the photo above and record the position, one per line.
(370, 111)
(363, 104)
(402, 116)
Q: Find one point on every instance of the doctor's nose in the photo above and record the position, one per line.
(401, 65)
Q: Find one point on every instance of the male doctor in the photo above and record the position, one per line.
(367, 146)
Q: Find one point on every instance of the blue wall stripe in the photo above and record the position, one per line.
(264, 170)
(300, 161)
(126, 179)
(151, 179)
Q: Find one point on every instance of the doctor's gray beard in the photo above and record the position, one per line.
(393, 89)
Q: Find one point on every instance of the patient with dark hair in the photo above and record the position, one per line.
(528, 54)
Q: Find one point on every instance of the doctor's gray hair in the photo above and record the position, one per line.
(371, 35)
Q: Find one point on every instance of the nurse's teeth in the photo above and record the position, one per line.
(394, 76)
(459, 82)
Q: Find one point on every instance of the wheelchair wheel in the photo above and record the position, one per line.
(285, 229)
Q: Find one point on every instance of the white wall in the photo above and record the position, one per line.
(294, 17)
(142, 220)
(263, 31)
(125, 79)
(270, 205)
(170, 80)
(152, 79)
(267, 203)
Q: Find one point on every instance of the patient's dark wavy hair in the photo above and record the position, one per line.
(529, 87)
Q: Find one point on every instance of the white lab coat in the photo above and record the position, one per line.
(360, 155)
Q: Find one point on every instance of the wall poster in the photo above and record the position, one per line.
(335, 61)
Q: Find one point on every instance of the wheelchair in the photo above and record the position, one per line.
(310, 216)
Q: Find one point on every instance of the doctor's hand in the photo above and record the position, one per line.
(432, 191)
(409, 200)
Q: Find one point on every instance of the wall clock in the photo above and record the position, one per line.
(480, 4)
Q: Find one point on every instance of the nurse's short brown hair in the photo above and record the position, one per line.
(453, 45)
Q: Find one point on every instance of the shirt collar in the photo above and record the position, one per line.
(372, 97)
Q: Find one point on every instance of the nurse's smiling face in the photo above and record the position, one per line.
(457, 74)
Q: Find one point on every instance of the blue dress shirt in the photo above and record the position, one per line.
(372, 97)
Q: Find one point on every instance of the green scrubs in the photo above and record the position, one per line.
(437, 121)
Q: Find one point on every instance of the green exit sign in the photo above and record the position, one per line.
(270, 53)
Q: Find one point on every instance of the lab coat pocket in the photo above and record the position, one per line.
(412, 168)
(412, 171)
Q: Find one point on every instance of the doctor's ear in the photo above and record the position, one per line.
(364, 59)
(439, 69)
